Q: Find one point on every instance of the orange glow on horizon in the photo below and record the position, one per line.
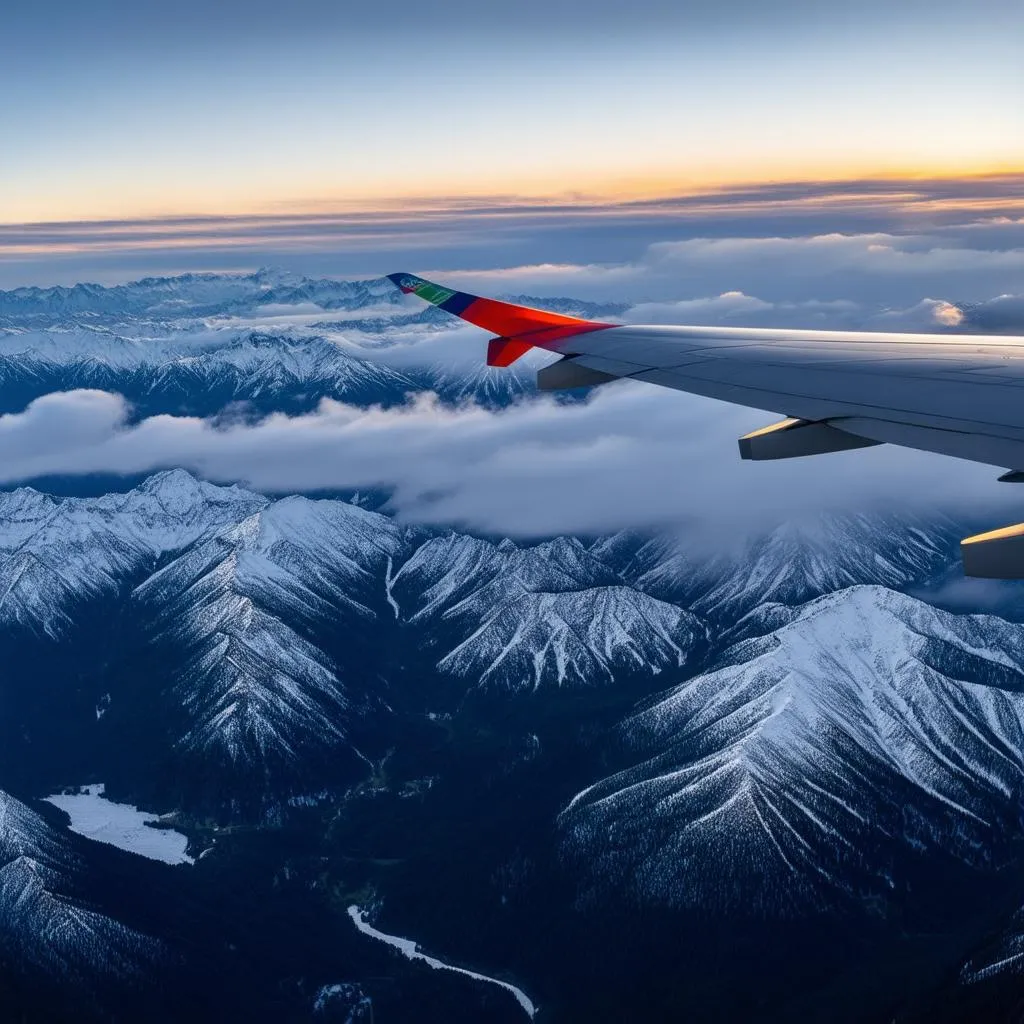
(525, 189)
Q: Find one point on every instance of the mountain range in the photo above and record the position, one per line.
(324, 671)
(198, 342)
(635, 776)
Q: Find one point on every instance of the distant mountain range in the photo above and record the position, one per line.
(201, 296)
(185, 374)
(193, 296)
(197, 342)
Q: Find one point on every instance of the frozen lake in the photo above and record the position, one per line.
(121, 825)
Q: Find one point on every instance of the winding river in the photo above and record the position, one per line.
(409, 949)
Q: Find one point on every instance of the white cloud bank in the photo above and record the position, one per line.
(632, 456)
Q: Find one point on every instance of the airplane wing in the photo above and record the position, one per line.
(956, 394)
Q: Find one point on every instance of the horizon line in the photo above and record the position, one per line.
(877, 185)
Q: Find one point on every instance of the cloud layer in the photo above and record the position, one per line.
(499, 232)
(632, 456)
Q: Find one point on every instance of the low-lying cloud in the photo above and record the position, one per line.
(633, 456)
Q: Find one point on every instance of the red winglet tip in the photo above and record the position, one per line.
(505, 351)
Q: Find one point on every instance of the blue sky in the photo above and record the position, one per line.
(121, 109)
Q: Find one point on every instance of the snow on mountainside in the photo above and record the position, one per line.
(870, 730)
(299, 552)
(262, 622)
(488, 385)
(195, 295)
(258, 620)
(1003, 957)
(211, 294)
(235, 615)
(45, 923)
(519, 618)
(57, 552)
(199, 341)
(102, 358)
(788, 565)
(263, 627)
(189, 371)
(579, 638)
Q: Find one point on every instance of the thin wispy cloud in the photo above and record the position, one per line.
(503, 231)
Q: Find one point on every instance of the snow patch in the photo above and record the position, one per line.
(411, 951)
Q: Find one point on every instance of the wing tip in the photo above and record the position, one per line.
(407, 283)
(505, 351)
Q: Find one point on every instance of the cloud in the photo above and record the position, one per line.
(714, 309)
(859, 255)
(502, 231)
(947, 315)
(631, 456)
(1003, 314)
(871, 270)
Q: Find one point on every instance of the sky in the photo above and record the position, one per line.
(121, 109)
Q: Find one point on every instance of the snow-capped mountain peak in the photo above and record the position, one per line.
(803, 748)
(521, 617)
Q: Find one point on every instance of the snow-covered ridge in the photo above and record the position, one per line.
(870, 721)
(788, 564)
(200, 341)
(107, 356)
(45, 923)
(520, 618)
(224, 294)
(55, 553)
(264, 620)
(196, 294)
(267, 622)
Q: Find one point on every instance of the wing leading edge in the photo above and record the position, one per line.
(956, 394)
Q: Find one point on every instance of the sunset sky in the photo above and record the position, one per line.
(125, 110)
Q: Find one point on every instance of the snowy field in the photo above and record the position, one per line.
(121, 825)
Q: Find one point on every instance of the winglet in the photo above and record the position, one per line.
(505, 351)
(519, 328)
